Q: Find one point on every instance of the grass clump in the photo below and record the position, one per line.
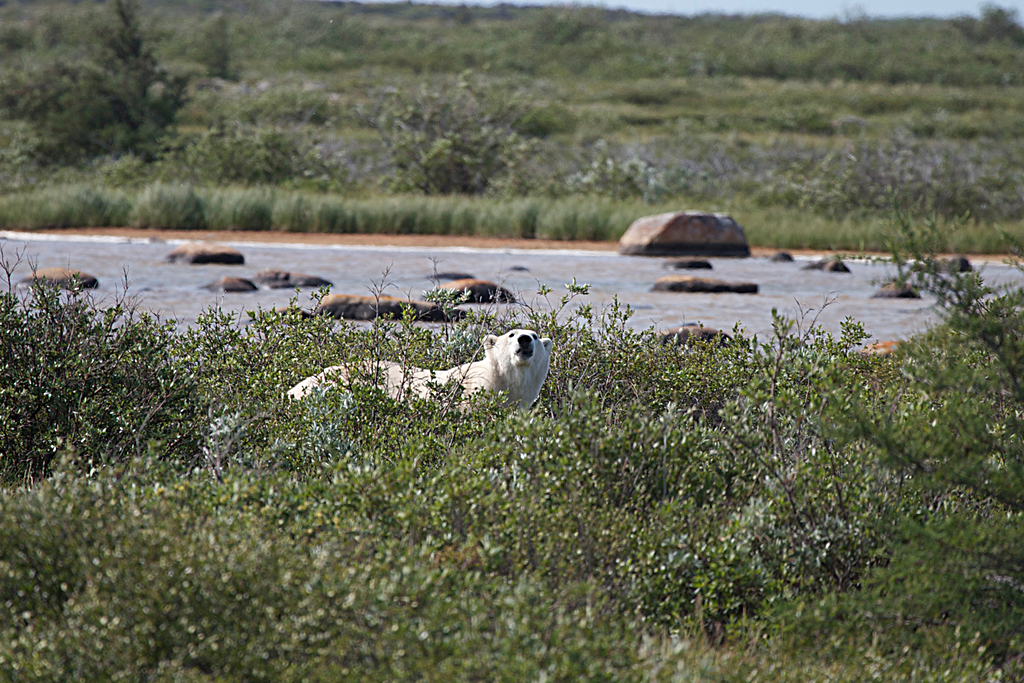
(170, 207)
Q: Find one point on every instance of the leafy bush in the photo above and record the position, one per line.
(215, 48)
(447, 141)
(240, 156)
(100, 384)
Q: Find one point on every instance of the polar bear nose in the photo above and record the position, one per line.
(525, 340)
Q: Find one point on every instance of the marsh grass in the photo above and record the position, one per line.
(66, 207)
(570, 218)
(169, 207)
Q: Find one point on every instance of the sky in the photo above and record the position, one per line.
(816, 9)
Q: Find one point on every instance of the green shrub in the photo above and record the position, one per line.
(215, 48)
(239, 156)
(444, 142)
(100, 384)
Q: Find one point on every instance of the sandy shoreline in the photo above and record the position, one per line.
(382, 240)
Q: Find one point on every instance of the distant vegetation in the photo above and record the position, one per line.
(833, 121)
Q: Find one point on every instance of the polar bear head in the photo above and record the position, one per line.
(517, 362)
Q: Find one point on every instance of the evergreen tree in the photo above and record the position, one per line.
(119, 101)
(215, 49)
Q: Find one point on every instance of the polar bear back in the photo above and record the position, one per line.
(515, 363)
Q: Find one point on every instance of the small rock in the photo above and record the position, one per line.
(689, 264)
(687, 334)
(231, 284)
(443, 277)
(894, 291)
(64, 278)
(781, 257)
(687, 283)
(356, 307)
(481, 291)
(957, 264)
(880, 348)
(828, 265)
(198, 253)
(685, 233)
(280, 279)
(519, 269)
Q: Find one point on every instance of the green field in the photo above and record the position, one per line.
(810, 131)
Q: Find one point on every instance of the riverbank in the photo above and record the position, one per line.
(409, 241)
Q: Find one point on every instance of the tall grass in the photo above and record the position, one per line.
(171, 207)
(570, 218)
(65, 207)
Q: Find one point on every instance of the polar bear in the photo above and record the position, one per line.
(515, 363)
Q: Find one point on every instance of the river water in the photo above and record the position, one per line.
(174, 290)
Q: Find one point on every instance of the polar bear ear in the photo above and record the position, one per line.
(547, 344)
(489, 342)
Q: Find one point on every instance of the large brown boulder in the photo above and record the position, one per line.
(687, 334)
(281, 279)
(231, 284)
(65, 278)
(356, 307)
(688, 283)
(481, 291)
(685, 233)
(200, 252)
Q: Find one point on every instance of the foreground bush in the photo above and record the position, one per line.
(653, 496)
(99, 384)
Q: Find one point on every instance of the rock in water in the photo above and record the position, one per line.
(894, 291)
(781, 257)
(65, 278)
(828, 265)
(685, 233)
(198, 253)
(957, 264)
(280, 279)
(481, 291)
(687, 283)
(231, 284)
(689, 264)
(444, 277)
(357, 307)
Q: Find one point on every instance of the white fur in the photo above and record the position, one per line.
(517, 368)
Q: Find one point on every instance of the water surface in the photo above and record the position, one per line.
(174, 290)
